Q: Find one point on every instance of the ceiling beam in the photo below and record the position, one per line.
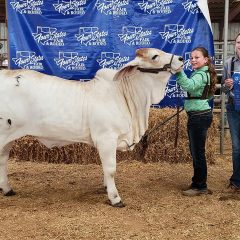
(2, 13)
(217, 1)
(234, 12)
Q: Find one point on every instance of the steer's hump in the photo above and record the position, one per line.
(105, 73)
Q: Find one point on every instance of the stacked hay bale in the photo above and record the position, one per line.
(160, 145)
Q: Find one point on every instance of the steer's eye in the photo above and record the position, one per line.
(155, 57)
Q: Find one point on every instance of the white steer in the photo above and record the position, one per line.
(109, 112)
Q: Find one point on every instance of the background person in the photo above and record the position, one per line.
(232, 65)
(200, 87)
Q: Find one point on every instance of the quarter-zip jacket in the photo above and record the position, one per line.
(195, 86)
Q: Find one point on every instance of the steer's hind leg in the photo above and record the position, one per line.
(107, 152)
(4, 155)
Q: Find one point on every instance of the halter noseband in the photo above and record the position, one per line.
(157, 70)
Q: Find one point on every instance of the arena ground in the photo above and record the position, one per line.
(66, 201)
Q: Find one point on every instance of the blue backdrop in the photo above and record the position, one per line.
(74, 38)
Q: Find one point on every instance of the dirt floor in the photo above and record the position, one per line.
(65, 201)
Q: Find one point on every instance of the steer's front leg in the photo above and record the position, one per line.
(107, 152)
(4, 155)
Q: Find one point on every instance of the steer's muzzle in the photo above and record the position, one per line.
(180, 59)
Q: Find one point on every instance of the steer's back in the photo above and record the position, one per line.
(53, 108)
(44, 94)
(44, 105)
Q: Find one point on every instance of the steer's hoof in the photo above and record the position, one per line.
(10, 193)
(119, 204)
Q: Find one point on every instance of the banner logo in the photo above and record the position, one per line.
(191, 6)
(27, 6)
(187, 63)
(135, 36)
(112, 7)
(173, 90)
(112, 60)
(174, 33)
(28, 60)
(236, 90)
(155, 6)
(91, 36)
(49, 36)
(70, 61)
(70, 7)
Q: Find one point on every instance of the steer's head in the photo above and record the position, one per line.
(153, 61)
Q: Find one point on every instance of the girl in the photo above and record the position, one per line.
(200, 88)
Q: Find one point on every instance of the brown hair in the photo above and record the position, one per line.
(236, 52)
(237, 36)
(211, 69)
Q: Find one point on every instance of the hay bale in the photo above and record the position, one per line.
(160, 145)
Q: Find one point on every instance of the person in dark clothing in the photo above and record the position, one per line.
(231, 66)
(200, 88)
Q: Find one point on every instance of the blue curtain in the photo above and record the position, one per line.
(72, 39)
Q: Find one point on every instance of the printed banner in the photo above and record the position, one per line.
(236, 90)
(73, 39)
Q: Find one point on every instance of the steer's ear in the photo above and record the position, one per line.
(126, 70)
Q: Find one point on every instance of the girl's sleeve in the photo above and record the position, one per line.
(191, 84)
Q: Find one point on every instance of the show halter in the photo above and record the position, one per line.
(166, 67)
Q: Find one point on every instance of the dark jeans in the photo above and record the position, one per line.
(233, 117)
(197, 126)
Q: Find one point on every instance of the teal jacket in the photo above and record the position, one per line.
(195, 86)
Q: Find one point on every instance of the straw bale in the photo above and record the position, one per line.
(160, 145)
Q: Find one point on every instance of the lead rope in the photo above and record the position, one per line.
(177, 129)
(177, 121)
(144, 140)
